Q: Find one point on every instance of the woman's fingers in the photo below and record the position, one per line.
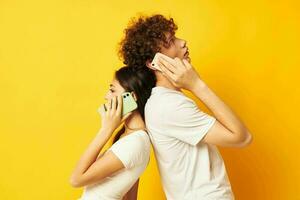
(119, 104)
(114, 104)
(101, 110)
(105, 107)
(108, 105)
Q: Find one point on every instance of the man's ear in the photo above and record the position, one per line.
(148, 64)
(134, 96)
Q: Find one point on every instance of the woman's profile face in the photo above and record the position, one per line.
(115, 89)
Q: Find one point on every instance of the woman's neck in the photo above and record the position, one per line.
(133, 123)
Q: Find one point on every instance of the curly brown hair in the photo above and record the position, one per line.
(143, 38)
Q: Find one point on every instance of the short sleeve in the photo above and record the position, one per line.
(131, 151)
(183, 120)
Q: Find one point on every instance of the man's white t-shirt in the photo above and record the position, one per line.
(134, 152)
(189, 169)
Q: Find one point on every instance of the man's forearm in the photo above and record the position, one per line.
(221, 111)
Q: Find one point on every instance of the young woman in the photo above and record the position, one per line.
(114, 175)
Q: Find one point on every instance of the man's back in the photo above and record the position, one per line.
(189, 168)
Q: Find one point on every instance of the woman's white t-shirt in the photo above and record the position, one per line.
(134, 152)
(189, 168)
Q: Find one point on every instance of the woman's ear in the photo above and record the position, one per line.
(134, 96)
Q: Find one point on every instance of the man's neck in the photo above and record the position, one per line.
(164, 81)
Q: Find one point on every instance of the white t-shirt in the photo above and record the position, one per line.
(189, 169)
(134, 152)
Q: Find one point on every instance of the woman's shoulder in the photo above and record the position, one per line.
(138, 140)
(141, 139)
(136, 146)
(133, 149)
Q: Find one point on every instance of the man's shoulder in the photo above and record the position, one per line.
(166, 96)
(167, 101)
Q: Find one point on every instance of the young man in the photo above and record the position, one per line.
(184, 138)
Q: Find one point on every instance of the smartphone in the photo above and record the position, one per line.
(158, 55)
(129, 104)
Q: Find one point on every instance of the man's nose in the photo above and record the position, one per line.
(183, 43)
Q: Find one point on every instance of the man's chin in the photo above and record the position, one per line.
(188, 59)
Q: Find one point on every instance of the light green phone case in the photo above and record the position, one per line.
(129, 103)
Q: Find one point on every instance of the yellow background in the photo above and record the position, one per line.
(57, 59)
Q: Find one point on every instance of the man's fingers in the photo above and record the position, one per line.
(167, 73)
(186, 63)
(168, 65)
(164, 69)
(180, 64)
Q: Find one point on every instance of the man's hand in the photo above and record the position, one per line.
(180, 72)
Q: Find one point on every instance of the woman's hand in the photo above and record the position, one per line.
(112, 118)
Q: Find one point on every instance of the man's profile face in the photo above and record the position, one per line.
(175, 47)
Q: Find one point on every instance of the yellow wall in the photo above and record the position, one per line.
(57, 58)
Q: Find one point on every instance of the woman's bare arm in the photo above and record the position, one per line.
(91, 169)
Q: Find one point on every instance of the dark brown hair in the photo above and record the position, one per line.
(137, 80)
(143, 38)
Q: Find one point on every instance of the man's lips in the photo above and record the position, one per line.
(187, 53)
